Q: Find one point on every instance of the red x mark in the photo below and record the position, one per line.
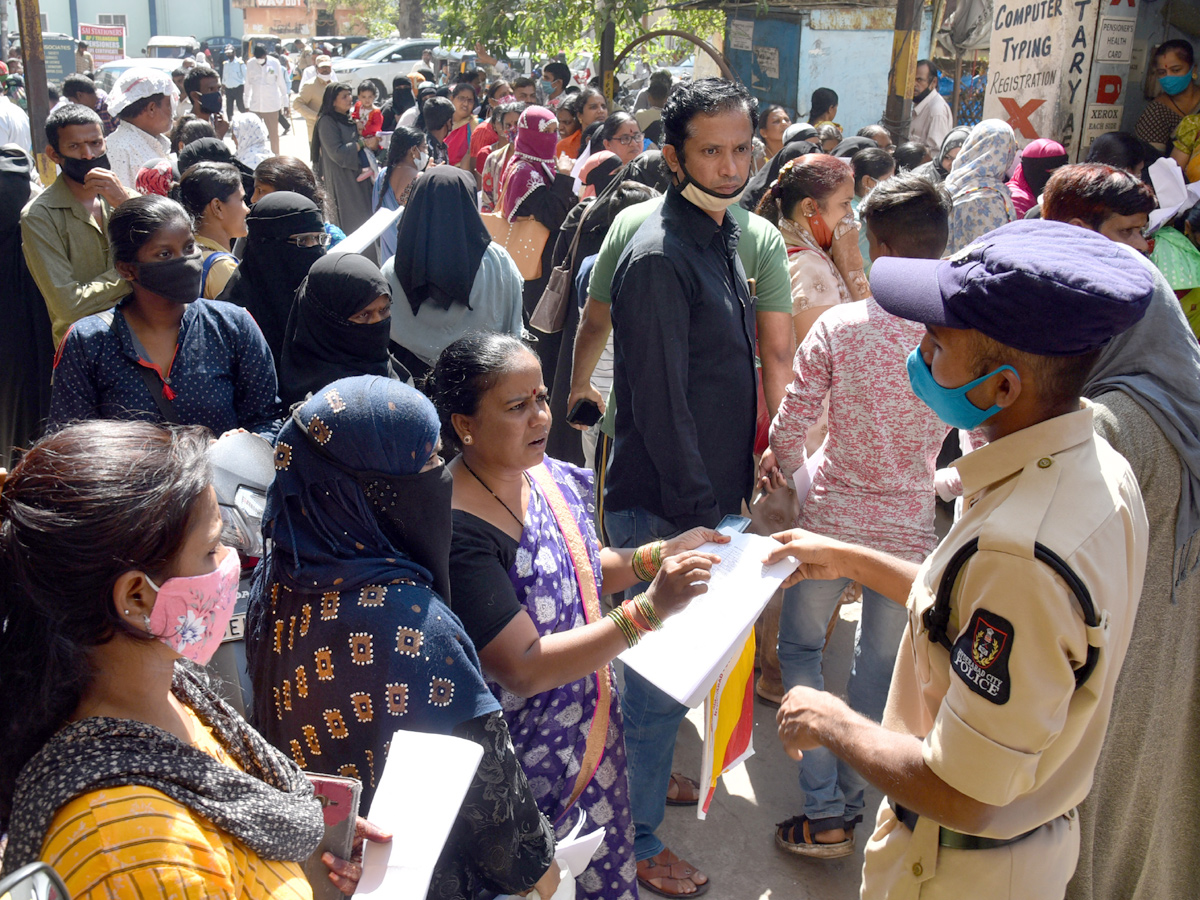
(1018, 115)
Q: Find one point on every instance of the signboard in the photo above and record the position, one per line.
(1040, 61)
(106, 43)
(1110, 75)
(741, 35)
(60, 57)
(1114, 42)
(1101, 119)
(766, 61)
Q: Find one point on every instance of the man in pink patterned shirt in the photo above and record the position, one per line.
(874, 487)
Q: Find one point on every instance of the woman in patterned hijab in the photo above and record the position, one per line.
(977, 183)
(350, 636)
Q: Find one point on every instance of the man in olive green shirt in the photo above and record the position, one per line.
(64, 229)
(763, 256)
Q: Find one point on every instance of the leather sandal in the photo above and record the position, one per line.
(795, 836)
(687, 791)
(663, 874)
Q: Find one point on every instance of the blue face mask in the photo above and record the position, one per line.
(1175, 84)
(547, 85)
(950, 404)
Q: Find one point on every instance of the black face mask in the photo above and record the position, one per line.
(921, 96)
(77, 169)
(211, 103)
(177, 280)
(413, 512)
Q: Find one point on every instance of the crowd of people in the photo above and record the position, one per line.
(505, 432)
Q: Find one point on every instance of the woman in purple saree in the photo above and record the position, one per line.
(526, 572)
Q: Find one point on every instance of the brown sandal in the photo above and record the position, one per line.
(662, 875)
(687, 791)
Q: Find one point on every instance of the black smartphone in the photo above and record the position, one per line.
(735, 523)
(584, 412)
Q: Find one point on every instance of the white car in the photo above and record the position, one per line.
(108, 73)
(381, 62)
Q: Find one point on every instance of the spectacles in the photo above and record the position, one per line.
(626, 139)
(316, 239)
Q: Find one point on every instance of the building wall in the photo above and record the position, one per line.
(850, 51)
(202, 18)
(847, 49)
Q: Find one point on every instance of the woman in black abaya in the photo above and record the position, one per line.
(286, 236)
(26, 342)
(340, 326)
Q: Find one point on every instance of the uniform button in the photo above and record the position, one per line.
(917, 870)
(1045, 462)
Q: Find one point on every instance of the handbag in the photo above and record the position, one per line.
(524, 238)
(551, 310)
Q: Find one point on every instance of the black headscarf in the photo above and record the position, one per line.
(26, 342)
(440, 239)
(649, 169)
(266, 281)
(211, 149)
(762, 179)
(852, 145)
(322, 345)
(331, 91)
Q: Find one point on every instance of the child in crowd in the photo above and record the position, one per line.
(368, 118)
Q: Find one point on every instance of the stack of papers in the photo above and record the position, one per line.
(423, 785)
(684, 659)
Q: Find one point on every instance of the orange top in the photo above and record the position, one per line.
(569, 146)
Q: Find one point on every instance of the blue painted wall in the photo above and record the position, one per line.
(848, 50)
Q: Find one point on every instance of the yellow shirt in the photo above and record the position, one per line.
(134, 841)
(1001, 720)
(219, 272)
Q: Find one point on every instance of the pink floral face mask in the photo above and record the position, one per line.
(190, 614)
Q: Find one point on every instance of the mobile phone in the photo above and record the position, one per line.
(584, 412)
(733, 523)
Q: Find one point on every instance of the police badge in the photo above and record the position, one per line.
(980, 655)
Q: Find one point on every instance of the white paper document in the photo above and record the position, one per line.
(686, 656)
(366, 234)
(423, 785)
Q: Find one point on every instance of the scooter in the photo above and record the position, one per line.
(243, 469)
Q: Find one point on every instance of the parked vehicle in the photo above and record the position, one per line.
(218, 42)
(342, 45)
(166, 46)
(107, 74)
(382, 62)
(243, 469)
(270, 41)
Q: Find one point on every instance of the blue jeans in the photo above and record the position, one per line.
(651, 717)
(833, 791)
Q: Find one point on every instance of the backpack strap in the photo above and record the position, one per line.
(208, 263)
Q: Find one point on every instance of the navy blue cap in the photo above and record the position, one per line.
(1038, 286)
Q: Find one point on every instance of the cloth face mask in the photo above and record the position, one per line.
(950, 404)
(190, 614)
(177, 280)
(700, 196)
(211, 103)
(1174, 85)
(77, 169)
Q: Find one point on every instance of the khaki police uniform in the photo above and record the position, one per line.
(999, 716)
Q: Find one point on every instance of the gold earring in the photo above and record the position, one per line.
(468, 439)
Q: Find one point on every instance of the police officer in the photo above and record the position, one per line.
(1019, 620)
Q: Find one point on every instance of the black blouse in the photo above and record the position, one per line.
(482, 594)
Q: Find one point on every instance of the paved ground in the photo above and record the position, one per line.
(735, 845)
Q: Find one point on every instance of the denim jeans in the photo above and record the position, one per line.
(651, 717)
(833, 791)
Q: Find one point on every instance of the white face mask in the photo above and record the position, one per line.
(707, 200)
(422, 160)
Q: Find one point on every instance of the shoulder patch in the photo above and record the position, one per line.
(980, 655)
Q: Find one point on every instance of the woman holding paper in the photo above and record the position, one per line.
(119, 765)
(526, 578)
(349, 639)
